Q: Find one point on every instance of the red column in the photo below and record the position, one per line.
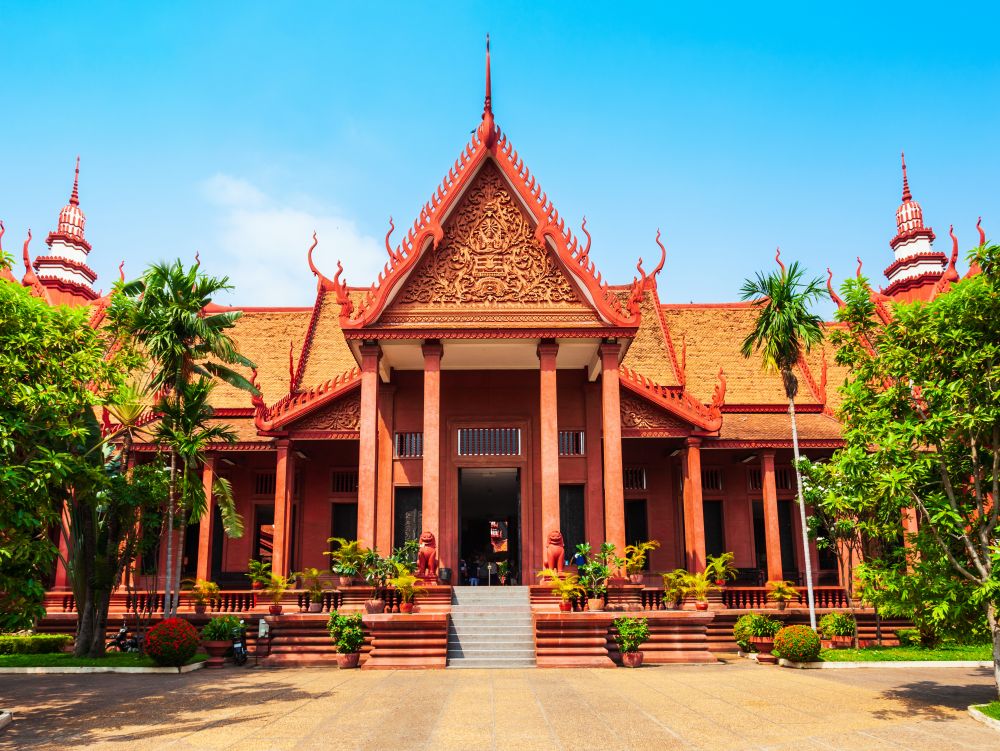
(694, 515)
(772, 536)
(431, 491)
(549, 450)
(383, 502)
(367, 456)
(207, 520)
(61, 580)
(614, 489)
(284, 482)
(594, 502)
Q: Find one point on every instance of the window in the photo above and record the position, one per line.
(635, 478)
(344, 521)
(571, 443)
(715, 533)
(489, 442)
(711, 480)
(344, 482)
(264, 483)
(409, 445)
(783, 478)
(636, 525)
(755, 479)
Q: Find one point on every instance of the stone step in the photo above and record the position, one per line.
(487, 654)
(492, 663)
(501, 637)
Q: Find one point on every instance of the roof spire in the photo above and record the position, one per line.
(74, 198)
(907, 196)
(488, 101)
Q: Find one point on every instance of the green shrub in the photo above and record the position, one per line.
(220, 628)
(346, 631)
(33, 644)
(797, 643)
(172, 642)
(631, 633)
(908, 637)
(837, 624)
(753, 624)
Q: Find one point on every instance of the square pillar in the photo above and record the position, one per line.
(594, 499)
(61, 580)
(549, 438)
(367, 454)
(284, 485)
(694, 514)
(383, 501)
(205, 527)
(431, 464)
(611, 422)
(772, 536)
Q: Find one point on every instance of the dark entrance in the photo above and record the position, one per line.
(489, 510)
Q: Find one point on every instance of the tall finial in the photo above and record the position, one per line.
(488, 101)
(74, 197)
(907, 196)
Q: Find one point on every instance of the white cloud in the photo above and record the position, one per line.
(262, 243)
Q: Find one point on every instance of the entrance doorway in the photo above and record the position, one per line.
(489, 510)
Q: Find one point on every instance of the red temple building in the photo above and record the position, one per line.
(490, 387)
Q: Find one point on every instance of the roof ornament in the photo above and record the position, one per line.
(323, 284)
(585, 253)
(74, 197)
(829, 288)
(951, 273)
(340, 287)
(487, 128)
(982, 234)
(823, 379)
(388, 247)
(777, 257)
(121, 271)
(684, 360)
(858, 272)
(197, 258)
(291, 365)
(663, 255)
(719, 393)
(907, 196)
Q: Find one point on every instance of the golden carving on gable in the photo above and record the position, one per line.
(489, 257)
(639, 414)
(343, 415)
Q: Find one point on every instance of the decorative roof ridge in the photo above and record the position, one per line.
(650, 286)
(295, 404)
(697, 305)
(308, 339)
(30, 279)
(679, 402)
(819, 393)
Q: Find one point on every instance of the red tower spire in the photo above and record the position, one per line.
(907, 196)
(74, 197)
(488, 101)
(487, 130)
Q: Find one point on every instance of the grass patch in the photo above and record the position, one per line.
(991, 710)
(63, 660)
(898, 654)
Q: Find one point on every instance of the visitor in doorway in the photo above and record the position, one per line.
(463, 571)
(491, 572)
(474, 573)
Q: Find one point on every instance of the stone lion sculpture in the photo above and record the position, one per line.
(427, 557)
(554, 551)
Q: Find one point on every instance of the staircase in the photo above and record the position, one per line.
(491, 627)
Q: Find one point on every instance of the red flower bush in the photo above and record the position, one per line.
(797, 643)
(172, 642)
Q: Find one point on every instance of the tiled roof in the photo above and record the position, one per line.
(648, 353)
(327, 355)
(778, 427)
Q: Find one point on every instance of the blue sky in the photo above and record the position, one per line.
(236, 128)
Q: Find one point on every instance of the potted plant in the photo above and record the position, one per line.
(217, 638)
(377, 570)
(202, 592)
(781, 592)
(594, 574)
(565, 587)
(762, 630)
(698, 586)
(276, 587)
(673, 588)
(720, 568)
(313, 585)
(259, 573)
(635, 559)
(346, 559)
(348, 634)
(405, 584)
(503, 571)
(630, 633)
(837, 629)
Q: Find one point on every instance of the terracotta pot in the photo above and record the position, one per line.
(700, 605)
(720, 582)
(374, 606)
(200, 608)
(216, 653)
(635, 578)
(345, 581)
(256, 585)
(631, 659)
(274, 609)
(348, 660)
(595, 603)
(565, 606)
(315, 607)
(764, 645)
(406, 607)
(782, 604)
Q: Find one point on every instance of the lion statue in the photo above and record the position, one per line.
(554, 550)
(427, 557)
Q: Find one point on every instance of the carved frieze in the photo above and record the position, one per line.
(343, 415)
(638, 414)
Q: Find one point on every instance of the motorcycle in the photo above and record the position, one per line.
(122, 641)
(240, 652)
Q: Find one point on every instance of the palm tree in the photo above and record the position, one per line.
(163, 312)
(783, 331)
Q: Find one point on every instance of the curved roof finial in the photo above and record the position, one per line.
(388, 247)
(2, 230)
(27, 258)
(488, 101)
(121, 271)
(982, 234)
(74, 197)
(907, 196)
(858, 272)
(777, 257)
(487, 131)
(586, 251)
(663, 255)
(829, 288)
(951, 273)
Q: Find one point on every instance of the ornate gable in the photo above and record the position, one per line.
(489, 268)
(343, 415)
(641, 417)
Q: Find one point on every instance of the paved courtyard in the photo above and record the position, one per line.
(731, 706)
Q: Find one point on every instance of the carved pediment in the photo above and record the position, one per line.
(342, 415)
(489, 268)
(639, 414)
